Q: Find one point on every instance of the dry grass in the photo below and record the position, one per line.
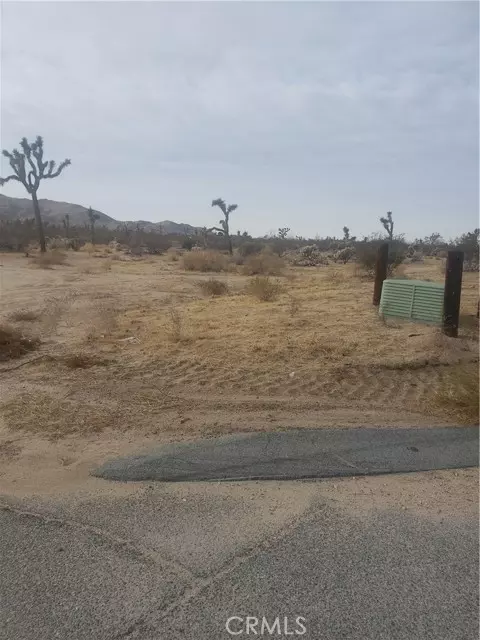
(205, 261)
(213, 287)
(264, 288)
(49, 259)
(264, 263)
(56, 417)
(334, 277)
(320, 343)
(458, 394)
(13, 344)
(24, 315)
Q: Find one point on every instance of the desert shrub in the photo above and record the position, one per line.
(458, 395)
(367, 258)
(48, 259)
(280, 245)
(213, 287)
(334, 277)
(205, 261)
(471, 265)
(57, 242)
(88, 247)
(188, 243)
(173, 255)
(80, 360)
(344, 255)
(414, 256)
(24, 316)
(469, 243)
(264, 288)
(13, 344)
(395, 258)
(264, 263)
(75, 244)
(308, 256)
(250, 248)
(106, 265)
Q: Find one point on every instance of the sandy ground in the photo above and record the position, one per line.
(165, 363)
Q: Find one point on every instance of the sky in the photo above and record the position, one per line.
(308, 115)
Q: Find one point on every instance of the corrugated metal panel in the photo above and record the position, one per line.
(415, 299)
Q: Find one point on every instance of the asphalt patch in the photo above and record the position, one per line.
(302, 453)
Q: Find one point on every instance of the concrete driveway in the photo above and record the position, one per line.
(384, 557)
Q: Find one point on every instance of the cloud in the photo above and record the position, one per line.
(342, 106)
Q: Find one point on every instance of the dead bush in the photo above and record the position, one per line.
(23, 315)
(13, 344)
(81, 360)
(48, 259)
(334, 277)
(205, 261)
(88, 247)
(213, 287)
(106, 265)
(264, 263)
(264, 288)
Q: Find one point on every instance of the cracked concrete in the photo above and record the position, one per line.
(382, 557)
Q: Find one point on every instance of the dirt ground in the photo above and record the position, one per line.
(132, 352)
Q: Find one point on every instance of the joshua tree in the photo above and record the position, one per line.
(29, 168)
(388, 224)
(225, 228)
(92, 217)
(283, 232)
(66, 224)
(346, 234)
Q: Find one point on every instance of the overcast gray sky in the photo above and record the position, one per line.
(308, 115)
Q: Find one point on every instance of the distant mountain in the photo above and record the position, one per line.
(54, 212)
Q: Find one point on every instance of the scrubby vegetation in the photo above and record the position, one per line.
(264, 263)
(213, 287)
(205, 261)
(13, 344)
(264, 288)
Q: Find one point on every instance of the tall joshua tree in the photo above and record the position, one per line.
(66, 224)
(92, 218)
(225, 227)
(29, 168)
(388, 224)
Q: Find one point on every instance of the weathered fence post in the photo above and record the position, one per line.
(453, 289)
(380, 272)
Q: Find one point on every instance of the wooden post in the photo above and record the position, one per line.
(453, 289)
(380, 272)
